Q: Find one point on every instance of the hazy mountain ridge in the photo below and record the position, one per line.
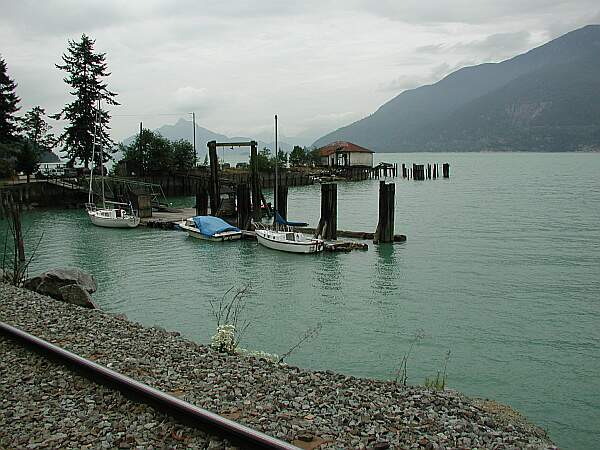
(429, 117)
(182, 129)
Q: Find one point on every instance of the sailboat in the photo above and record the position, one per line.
(115, 216)
(282, 236)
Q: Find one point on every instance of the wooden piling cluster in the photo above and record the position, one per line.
(421, 172)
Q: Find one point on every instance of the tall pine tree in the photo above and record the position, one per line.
(86, 71)
(8, 106)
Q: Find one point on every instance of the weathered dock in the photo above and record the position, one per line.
(167, 219)
(362, 235)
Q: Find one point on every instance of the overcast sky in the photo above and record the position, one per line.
(317, 64)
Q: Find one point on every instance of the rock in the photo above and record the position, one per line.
(49, 282)
(76, 295)
(68, 285)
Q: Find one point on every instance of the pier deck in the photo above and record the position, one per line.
(164, 219)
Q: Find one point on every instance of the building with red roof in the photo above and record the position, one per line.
(345, 154)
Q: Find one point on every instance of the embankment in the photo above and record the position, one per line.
(44, 406)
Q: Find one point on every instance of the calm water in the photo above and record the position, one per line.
(501, 266)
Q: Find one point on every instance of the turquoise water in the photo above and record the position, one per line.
(501, 266)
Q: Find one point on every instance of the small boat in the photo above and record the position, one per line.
(112, 217)
(281, 236)
(115, 216)
(288, 240)
(210, 228)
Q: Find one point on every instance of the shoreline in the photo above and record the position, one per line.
(321, 409)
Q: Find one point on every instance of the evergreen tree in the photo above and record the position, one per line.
(86, 71)
(184, 156)
(283, 158)
(28, 158)
(34, 128)
(149, 153)
(8, 105)
(297, 156)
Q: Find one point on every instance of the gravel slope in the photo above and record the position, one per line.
(308, 408)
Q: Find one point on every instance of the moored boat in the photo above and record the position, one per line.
(281, 236)
(288, 240)
(210, 228)
(117, 217)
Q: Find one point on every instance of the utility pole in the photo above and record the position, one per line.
(141, 170)
(194, 127)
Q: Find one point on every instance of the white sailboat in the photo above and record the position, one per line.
(281, 236)
(115, 216)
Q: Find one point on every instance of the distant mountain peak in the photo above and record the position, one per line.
(478, 107)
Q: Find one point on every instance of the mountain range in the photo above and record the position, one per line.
(547, 99)
(182, 129)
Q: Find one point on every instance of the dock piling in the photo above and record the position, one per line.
(328, 223)
(446, 170)
(243, 206)
(215, 194)
(254, 181)
(282, 196)
(387, 204)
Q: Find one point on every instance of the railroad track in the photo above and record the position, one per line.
(185, 412)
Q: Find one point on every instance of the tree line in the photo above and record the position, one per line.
(25, 140)
(152, 153)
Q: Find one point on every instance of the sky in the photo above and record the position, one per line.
(319, 64)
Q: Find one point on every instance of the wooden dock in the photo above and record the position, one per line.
(167, 219)
(364, 235)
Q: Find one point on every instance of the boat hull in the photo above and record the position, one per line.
(313, 246)
(110, 222)
(219, 237)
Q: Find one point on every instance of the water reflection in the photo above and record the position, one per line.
(328, 276)
(386, 270)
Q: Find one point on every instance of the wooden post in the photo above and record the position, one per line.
(254, 182)
(328, 224)
(243, 206)
(446, 170)
(143, 204)
(215, 193)
(387, 203)
(201, 200)
(282, 195)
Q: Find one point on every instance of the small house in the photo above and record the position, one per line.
(345, 154)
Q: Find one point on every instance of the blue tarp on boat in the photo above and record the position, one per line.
(281, 221)
(210, 225)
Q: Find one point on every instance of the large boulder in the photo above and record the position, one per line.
(53, 283)
(76, 295)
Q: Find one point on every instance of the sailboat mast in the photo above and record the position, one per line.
(90, 192)
(101, 161)
(276, 164)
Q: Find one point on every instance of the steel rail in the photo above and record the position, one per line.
(192, 415)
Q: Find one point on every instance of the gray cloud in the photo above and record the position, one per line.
(466, 11)
(435, 74)
(494, 46)
(320, 64)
